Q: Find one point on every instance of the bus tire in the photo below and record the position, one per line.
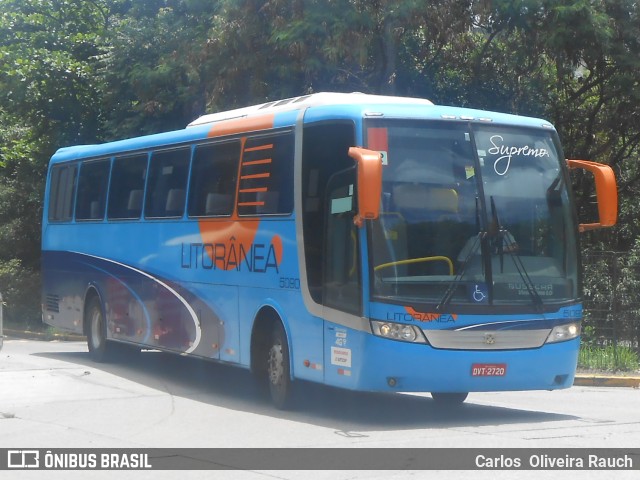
(278, 368)
(96, 328)
(450, 399)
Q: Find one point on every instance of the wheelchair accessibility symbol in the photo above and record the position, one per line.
(479, 293)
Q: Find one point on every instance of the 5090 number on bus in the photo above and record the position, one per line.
(290, 283)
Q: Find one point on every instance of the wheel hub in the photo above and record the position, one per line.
(276, 369)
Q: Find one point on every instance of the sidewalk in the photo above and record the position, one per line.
(10, 333)
(582, 379)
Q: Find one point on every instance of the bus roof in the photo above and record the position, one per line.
(363, 103)
(319, 106)
(305, 101)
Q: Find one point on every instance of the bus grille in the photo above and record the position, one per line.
(53, 303)
(487, 339)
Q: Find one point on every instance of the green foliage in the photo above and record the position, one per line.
(47, 52)
(21, 184)
(76, 71)
(612, 305)
(157, 66)
(610, 358)
(18, 285)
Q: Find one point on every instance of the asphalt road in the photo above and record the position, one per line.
(53, 396)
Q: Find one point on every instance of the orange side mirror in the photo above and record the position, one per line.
(606, 193)
(369, 183)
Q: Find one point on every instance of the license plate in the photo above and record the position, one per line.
(488, 369)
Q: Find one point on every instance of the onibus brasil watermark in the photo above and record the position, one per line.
(320, 459)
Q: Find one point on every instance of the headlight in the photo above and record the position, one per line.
(397, 331)
(565, 332)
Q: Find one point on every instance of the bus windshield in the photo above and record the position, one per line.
(471, 215)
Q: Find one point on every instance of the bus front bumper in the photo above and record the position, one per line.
(391, 366)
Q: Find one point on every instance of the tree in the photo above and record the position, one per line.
(158, 67)
(48, 52)
(79, 71)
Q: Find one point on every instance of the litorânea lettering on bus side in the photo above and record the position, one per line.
(256, 257)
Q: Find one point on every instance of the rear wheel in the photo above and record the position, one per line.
(278, 371)
(449, 398)
(96, 329)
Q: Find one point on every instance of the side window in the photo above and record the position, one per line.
(62, 192)
(167, 184)
(92, 190)
(266, 175)
(127, 187)
(214, 175)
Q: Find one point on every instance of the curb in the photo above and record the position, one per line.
(606, 381)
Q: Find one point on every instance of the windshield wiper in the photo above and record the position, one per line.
(498, 233)
(505, 243)
(505, 239)
(479, 240)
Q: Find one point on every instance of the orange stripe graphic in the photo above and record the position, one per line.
(256, 162)
(255, 175)
(259, 147)
(241, 125)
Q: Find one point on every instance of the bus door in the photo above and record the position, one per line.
(342, 285)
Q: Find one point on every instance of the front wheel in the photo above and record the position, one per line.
(450, 399)
(278, 370)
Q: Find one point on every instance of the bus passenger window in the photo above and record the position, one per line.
(213, 179)
(127, 184)
(92, 190)
(167, 183)
(266, 176)
(63, 186)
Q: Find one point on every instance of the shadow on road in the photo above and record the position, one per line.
(346, 412)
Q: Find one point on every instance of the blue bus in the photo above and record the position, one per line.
(365, 242)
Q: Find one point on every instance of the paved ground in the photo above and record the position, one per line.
(53, 395)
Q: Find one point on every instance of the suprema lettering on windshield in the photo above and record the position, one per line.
(502, 163)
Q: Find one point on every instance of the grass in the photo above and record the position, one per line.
(608, 358)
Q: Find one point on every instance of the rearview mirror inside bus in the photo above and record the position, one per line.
(369, 183)
(606, 193)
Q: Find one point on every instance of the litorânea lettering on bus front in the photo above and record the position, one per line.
(410, 314)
